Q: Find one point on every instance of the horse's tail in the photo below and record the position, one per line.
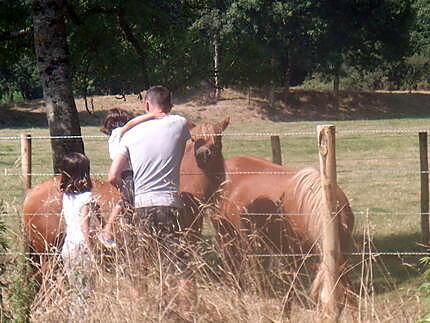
(308, 194)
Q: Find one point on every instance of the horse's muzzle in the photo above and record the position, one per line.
(203, 156)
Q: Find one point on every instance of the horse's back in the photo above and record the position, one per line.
(42, 208)
(251, 179)
(245, 163)
(256, 186)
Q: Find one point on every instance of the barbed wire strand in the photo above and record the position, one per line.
(5, 172)
(35, 162)
(354, 254)
(339, 171)
(396, 131)
(6, 214)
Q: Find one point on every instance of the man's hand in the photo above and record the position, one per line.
(116, 168)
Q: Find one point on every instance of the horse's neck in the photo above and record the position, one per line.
(214, 173)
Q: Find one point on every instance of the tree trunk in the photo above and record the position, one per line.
(336, 84)
(272, 83)
(138, 47)
(52, 57)
(217, 92)
(287, 77)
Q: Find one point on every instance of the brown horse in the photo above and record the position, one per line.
(278, 206)
(202, 170)
(201, 163)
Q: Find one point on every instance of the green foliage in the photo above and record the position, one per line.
(18, 71)
(261, 43)
(21, 291)
(417, 70)
(420, 31)
(351, 79)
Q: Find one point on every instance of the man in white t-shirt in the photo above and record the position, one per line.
(155, 149)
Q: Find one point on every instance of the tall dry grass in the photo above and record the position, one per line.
(124, 292)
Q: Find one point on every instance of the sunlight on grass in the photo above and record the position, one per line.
(379, 173)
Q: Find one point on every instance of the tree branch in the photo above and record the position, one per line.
(79, 20)
(71, 13)
(10, 35)
(134, 41)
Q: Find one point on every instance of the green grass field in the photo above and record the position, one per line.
(378, 171)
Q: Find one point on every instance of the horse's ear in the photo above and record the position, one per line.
(223, 124)
(190, 125)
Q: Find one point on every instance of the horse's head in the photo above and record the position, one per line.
(207, 142)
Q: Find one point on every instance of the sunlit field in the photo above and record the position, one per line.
(378, 168)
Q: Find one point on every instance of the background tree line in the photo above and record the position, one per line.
(119, 46)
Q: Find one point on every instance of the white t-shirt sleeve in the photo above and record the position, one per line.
(122, 149)
(116, 144)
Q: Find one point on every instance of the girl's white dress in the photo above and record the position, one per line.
(72, 205)
(77, 259)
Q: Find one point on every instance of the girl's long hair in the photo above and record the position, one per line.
(75, 174)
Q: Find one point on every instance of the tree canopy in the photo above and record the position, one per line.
(123, 46)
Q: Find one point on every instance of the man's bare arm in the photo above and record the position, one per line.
(139, 119)
(116, 168)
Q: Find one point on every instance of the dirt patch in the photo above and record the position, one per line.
(253, 106)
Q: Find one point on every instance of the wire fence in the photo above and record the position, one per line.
(305, 255)
(341, 133)
(7, 172)
(365, 175)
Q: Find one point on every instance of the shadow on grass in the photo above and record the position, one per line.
(26, 116)
(299, 105)
(29, 115)
(390, 271)
(302, 105)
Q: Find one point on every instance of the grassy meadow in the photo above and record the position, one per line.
(378, 171)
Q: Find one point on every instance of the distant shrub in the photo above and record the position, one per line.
(352, 79)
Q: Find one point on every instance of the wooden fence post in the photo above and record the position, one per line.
(276, 150)
(330, 223)
(26, 160)
(24, 271)
(424, 174)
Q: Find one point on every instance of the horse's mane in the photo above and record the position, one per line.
(201, 128)
(308, 194)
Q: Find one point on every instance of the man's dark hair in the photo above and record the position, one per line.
(160, 96)
(75, 174)
(115, 118)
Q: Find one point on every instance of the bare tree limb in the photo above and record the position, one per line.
(10, 35)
